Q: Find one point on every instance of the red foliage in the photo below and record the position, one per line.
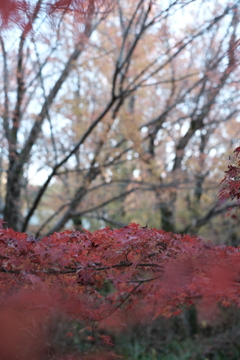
(231, 182)
(151, 273)
(12, 12)
(80, 6)
(20, 12)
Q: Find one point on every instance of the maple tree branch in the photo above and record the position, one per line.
(170, 80)
(107, 220)
(146, 280)
(11, 276)
(140, 282)
(209, 215)
(161, 117)
(50, 218)
(114, 198)
(120, 304)
(122, 264)
(126, 264)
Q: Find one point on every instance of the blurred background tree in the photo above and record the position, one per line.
(128, 113)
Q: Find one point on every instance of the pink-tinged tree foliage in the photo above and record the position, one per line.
(20, 12)
(107, 281)
(231, 183)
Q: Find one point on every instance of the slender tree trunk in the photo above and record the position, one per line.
(167, 217)
(12, 210)
(190, 320)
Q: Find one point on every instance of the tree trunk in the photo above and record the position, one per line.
(12, 209)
